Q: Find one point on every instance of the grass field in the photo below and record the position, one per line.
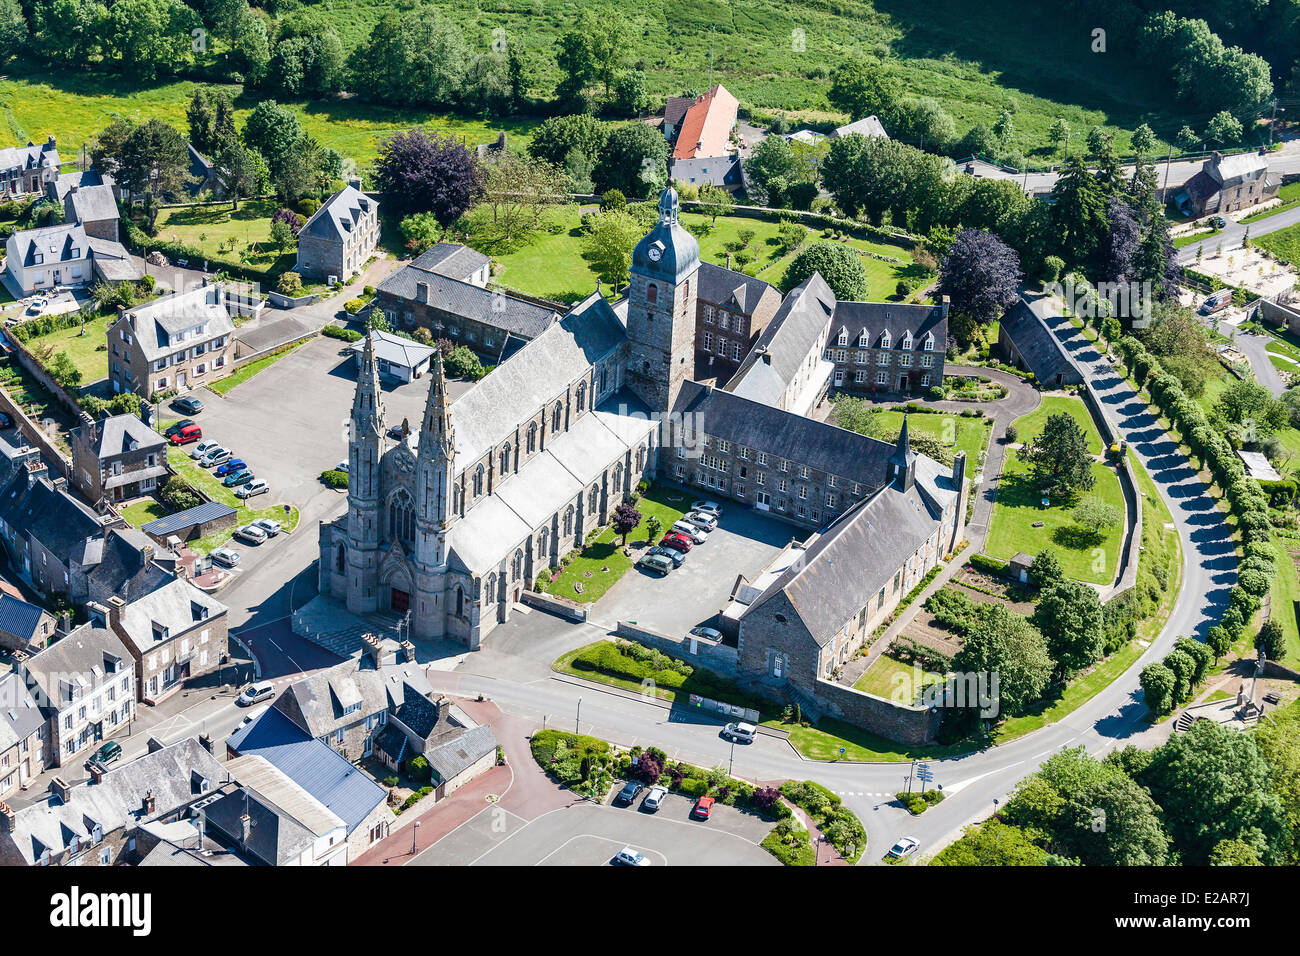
(239, 237)
(1283, 245)
(892, 679)
(970, 435)
(88, 351)
(1284, 593)
(246, 371)
(140, 513)
(553, 265)
(1018, 506)
(605, 551)
(1289, 194)
(210, 485)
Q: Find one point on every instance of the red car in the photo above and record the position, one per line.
(678, 542)
(702, 807)
(188, 434)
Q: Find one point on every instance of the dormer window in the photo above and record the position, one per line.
(159, 631)
(884, 341)
(198, 611)
(907, 341)
(928, 344)
(864, 339)
(844, 337)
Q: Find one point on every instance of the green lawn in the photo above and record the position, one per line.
(892, 679)
(142, 512)
(829, 736)
(223, 386)
(1018, 506)
(87, 349)
(1283, 595)
(1290, 196)
(970, 435)
(1283, 245)
(213, 229)
(206, 481)
(552, 264)
(588, 566)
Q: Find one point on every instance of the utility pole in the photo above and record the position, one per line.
(711, 60)
(1272, 120)
(577, 723)
(1169, 160)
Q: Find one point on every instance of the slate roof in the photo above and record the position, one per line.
(199, 514)
(458, 752)
(318, 769)
(173, 775)
(338, 216)
(1237, 168)
(868, 126)
(30, 156)
(893, 317)
(735, 290)
(125, 562)
(676, 108)
(797, 330)
(113, 262)
(64, 242)
(178, 607)
(19, 715)
(316, 703)
(263, 778)
(61, 523)
(511, 315)
(855, 556)
(396, 350)
(419, 714)
(91, 203)
(110, 437)
(817, 444)
(1036, 343)
(490, 411)
(156, 322)
(83, 654)
(707, 170)
(452, 260)
(78, 178)
(20, 619)
(677, 250)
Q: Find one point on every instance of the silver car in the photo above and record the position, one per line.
(702, 519)
(215, 456)
(697, 535)
(269, 526)
(251, 534)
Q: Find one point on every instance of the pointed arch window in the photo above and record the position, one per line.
(401, 516)
(557, 417)
(582, 396)
(517, 566)
(541, 545)
(460, 601)
(591, 498)
(490, 589)
(568, 521)
(478, 481)
(341, 559)
(505, 459)
(532, 438)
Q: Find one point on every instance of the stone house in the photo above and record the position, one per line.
(49, 257)
(117, 458)
(887, 346)
(173, 634)
(340, 237)
(456, 748)
(122, 563)
(28, 169)
(85, 688)
(23, 626)
(1227, 184)
(94, 208)
(176, 342)
(22, 736)
(733, 310)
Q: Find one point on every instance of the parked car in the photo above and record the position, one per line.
(708, 633)
(711, 507)
(200, 451)
(36, 305)
(656, 564)
(269, 525)
(6, 420)
(227, 556)
(190, 433)
(654, 799)
(230, 467)
(906, 846)
(740, 732)
(703, 807)
(342, 466)
(237, 478)
(676, 557)
(689, 530)
(250, 534)
(702, 520)
(257, 486)
(630, 857)
(187, 404)
(1216, 301)
(1218, 222)
(108, 753)
(217, 456)
(175, 427)
(629, 792)
(253, 693)
(678, 542)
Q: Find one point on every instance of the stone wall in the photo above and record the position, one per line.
(904, 723)
(569, 610)
(1126, 577)
(716, 657)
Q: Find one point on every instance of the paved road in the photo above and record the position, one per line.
(1232, 234)
(1255, 348)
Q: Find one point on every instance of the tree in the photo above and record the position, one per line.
(652, 528)
(149, 159)
(1045, 570)
(993, 843)
(921, 121)
(631, 98)
(425, 172)
(1058, 457)
(1157, 682)
(412, 58)
(518, 188)
(1094, 516)
(245, 36)
(241, 172)
(720, 202)
(1059, 133)
(1278, 738)
(981, 276)
(1070, 618)
(274, 132)
(839, 266)
(1246, 402)
(1079, 212)
(308, 58)
(626, 518)
(1234, 852)
(1005, 127)
(151, 37)
(556, 139)
(1132, 831)
(420, 231)
(1224, 128)
(863, 88)
(69, 32)
(1214, 784)
(13, 30)
(1144, 140)
(770, 170)
(1004, 643)
(609, 244)
(1271, 640)
(873, 176)
(201, 116)
(1186, 139)
(634, 160)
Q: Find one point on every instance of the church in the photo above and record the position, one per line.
(451, 525)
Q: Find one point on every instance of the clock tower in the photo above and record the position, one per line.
(661, 309)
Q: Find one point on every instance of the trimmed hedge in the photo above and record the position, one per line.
(982, 562)
(339, 332)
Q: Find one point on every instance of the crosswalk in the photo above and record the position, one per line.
(859, 793)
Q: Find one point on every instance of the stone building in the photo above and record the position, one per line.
(340, 237)
(1228, 183)
(28, 169)
(733, 310)
(117, 458)
(22, 736)
(887, 346)
(178, 341)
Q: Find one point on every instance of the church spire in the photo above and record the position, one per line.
(367, 404)
(437, 437)
(903, 461)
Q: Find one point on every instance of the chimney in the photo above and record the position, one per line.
(155, 745)
(150, 803)
(245, 828)
(355, 183)
(97, 771)
(422, 292)
(7, 818)
(958, 470)
(205, 741)
(53, 141)
(59, 787)
(146, 554)
(408, 652)
(98, 613)
(115, 605)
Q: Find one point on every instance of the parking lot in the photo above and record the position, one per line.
(588, 834)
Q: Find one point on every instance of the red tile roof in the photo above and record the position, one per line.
(706, 127)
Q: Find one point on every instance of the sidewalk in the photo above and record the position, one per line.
(827, 855)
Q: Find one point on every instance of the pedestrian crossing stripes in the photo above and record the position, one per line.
(860, 793)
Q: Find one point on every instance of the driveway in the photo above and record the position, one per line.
(1254, 347)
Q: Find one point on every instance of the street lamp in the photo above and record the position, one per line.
(732, 759)
(577, 723)
(414, 831)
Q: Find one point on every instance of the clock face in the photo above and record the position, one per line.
(655, 254)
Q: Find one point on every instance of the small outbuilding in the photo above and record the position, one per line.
(396, 357)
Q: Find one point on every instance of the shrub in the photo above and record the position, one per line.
(1013, 434)
(693, 787)
(389, 781)
(982, 562)
(289, 283)
(418, 769)
(345, 334)
(333, 478)
(354, 306)
(177, 495)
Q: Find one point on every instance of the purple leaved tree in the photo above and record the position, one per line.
(981, 274)
(626, 518)
(421, 172)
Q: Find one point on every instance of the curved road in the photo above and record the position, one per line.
(504, 670)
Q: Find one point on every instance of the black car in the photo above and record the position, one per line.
(188, 405)
(175, 427)
(629, 792)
